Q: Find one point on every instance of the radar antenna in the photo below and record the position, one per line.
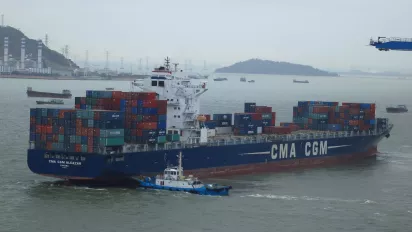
(167, 63)
(175, 64)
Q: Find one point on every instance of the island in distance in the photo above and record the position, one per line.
(258, 66)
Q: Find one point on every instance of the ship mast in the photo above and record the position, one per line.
(180, 165)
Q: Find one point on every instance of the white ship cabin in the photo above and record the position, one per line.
(173, 177)
(183, 99)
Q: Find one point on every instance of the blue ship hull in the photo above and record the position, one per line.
(222, 191)
(205, 161)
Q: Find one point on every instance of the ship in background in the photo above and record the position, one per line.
(230, 144)
(64, 94)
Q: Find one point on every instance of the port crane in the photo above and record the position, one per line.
(392, 43)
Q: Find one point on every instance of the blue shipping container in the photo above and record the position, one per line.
(162, 117)
(161, 125)
(112, 115)
(334, 127)
(250, 107)
(211, 124)
(149, 111)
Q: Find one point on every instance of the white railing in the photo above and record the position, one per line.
(235, 140)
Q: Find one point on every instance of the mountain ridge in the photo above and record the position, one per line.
(259, 66)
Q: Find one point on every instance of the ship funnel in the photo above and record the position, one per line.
(6, 51)
(39, 54)
(23, 52)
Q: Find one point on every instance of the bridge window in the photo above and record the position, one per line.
(154, 83)
(161, 83)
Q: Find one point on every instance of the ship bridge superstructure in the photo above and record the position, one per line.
(182, 94)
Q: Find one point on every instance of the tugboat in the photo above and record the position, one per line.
(51, 102)
(296, 81)
(173, 180)
(398, 109)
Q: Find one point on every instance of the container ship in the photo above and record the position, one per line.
(64, 94)
(113, 135)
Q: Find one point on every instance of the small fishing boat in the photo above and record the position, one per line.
(51, 102)
(296, 81)
(251, 81)
(397, 109)
(173, 180)
(243, 79)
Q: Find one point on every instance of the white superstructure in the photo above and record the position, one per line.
(183, 100)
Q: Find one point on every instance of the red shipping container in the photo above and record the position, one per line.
(147, 125)
(117, 94)
(263, 109)
(55, 138)
(43, 137)
(78, 148)
(354, 111)
(273, 120)
(162, 110)
(38, 129)
(77, 106)
(139, 133)
(207, 117)
(78, 131)
(149, 95)
(49, 130)
(83, 100)
(89, 149)
(49, 145)
(320, 109)
(277, 130)
(61, 130)
(149, 118)
(132, 103)
(256, 116)
(149, 103)
(90, 132)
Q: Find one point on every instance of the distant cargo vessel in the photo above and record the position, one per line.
(51, 102)
(297, 81)
(114, 135)
(398, 109)
(220, 79)
(65, 94)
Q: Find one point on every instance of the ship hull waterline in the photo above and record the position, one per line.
(206, 162)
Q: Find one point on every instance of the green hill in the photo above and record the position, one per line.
(257, 66)
(50, 57)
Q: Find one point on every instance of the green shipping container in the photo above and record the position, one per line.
(114, 141)
(161, 139)
(61, 138)
(139, 118)
(112, 133)
(173, 137)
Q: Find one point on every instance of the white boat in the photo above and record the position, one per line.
(174, 180)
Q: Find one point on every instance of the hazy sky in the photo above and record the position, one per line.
(327, 34)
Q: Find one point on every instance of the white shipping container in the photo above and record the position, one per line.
(223, 130)
(211, 132)
(259, 130)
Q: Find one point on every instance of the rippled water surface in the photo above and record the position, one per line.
(375, 195)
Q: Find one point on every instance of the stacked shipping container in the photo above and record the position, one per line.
(329, 116)
(254, 119)
(145, 116)
(76, 130)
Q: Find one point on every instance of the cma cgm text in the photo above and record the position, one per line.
(288, 150)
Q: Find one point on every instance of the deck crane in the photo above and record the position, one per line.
(392, 43)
